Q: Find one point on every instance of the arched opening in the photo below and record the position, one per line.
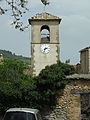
(45, 34)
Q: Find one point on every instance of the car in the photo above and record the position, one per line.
(22, 114)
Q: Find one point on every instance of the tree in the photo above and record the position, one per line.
(50, 80)
(17, 8)
(25, 90)
(20, 93)
(16, 88)
(11, 70)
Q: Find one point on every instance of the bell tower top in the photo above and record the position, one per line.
(44, 17)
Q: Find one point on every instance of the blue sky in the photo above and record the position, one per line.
(74, 28)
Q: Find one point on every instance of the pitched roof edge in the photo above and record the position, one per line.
(44, 16)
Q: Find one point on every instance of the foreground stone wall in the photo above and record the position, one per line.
(56, 114)
(72, 100)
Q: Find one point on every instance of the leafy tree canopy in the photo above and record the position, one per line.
(24, 90)
(51, 79)
(16, 88)
(11, 70)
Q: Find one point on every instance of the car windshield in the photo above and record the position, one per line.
(19, 116)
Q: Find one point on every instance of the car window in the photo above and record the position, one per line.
(31, 116)
(19, 116)
(15, 116)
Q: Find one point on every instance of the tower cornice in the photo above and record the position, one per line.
(44, 17)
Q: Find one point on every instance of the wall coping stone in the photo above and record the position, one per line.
(75, 91)
(79, 77)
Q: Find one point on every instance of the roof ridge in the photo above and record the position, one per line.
(42, 15)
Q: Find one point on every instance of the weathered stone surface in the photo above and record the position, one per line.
(56, 114)
(71, 99)
(74, 103)
(75, 91)
(79, 77)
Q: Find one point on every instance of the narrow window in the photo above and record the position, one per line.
(45, 34)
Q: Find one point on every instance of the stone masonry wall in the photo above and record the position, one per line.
(70, 101)
(73, 102)
(56, 114)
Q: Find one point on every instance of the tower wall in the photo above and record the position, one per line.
(39, 59)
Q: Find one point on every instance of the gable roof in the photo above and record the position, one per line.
(44, 16)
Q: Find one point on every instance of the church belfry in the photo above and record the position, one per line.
(44, 41)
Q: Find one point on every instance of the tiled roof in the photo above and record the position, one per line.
(44, 16)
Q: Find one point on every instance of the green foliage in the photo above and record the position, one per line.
(12, 70)
(20, 93)
(51, 79)
(16, 88)
(23, 90)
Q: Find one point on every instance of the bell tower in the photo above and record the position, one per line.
(45, 41)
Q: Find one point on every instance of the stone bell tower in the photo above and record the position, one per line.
(45, 41)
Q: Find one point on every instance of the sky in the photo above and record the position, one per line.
(74, 29)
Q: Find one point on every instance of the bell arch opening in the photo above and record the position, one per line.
(45, 34)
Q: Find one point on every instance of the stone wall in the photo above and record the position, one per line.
(56, 114)
(73, 101)
(70, 102)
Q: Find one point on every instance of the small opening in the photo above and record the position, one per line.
(45, 34)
